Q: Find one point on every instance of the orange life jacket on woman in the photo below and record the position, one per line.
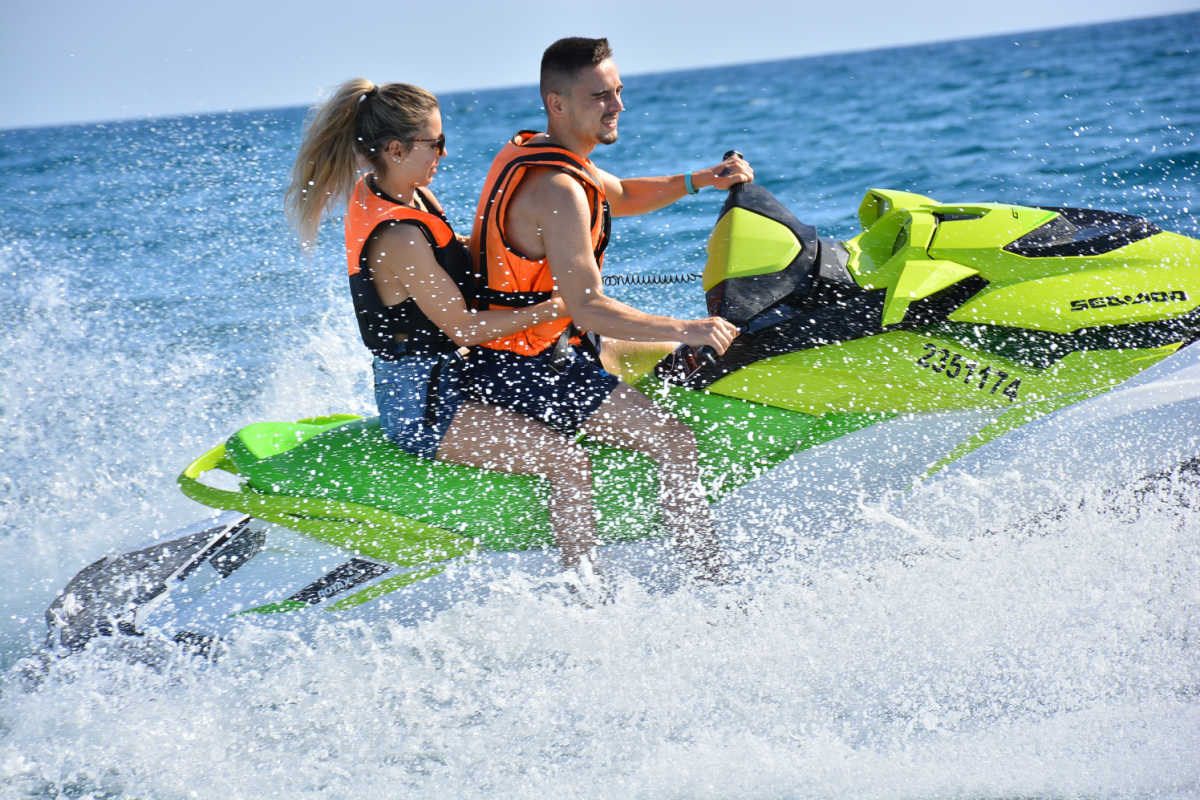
(401, 329)
(507, 278)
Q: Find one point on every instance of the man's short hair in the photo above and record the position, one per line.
(563, 60)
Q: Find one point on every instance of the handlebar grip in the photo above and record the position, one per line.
(706, 354)
(732, 190)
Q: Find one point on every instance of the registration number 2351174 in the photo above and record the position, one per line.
(982, 377)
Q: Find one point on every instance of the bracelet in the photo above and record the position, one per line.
(687, 183)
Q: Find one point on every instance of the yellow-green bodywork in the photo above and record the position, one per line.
(744, 244)
(906, 250)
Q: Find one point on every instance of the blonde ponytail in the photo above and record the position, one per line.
(357, 121)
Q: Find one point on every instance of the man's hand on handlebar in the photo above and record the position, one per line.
(731, 171)
(714, 332)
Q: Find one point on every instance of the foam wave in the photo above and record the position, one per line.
(1019, 663)
(100, 420)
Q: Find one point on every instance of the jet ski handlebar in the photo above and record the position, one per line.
(737, 187)
(703, 356)
(687, 360)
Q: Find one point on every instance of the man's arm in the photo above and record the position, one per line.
(560, 208)
(630, 196)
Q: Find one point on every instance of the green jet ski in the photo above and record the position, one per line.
(921, 345)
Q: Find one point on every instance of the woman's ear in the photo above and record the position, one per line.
(396, 150)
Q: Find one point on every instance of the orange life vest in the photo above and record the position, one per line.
(507, 278)
(391, 331)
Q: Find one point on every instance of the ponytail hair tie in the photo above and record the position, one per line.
(369, 93)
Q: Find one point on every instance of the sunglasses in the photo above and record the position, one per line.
(439, 144)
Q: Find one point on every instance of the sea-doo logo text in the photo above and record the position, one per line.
(329, 590)
(344, 578)
(1129, 300)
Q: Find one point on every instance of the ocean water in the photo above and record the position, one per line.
(152, 300)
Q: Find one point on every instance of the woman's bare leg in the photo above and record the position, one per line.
(496, 438)
(627, 418)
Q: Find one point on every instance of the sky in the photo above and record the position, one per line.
(76, 61)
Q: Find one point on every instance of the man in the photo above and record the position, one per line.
(541, 228)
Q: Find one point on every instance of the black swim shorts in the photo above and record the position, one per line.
(531, 386)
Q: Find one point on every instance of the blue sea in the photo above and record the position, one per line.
(153, 299)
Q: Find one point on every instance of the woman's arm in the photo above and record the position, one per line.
(402, 266)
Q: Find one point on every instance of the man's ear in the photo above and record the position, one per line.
(555, 103)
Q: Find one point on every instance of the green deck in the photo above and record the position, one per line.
(352, 462)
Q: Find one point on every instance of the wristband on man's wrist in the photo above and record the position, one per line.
(687, 183)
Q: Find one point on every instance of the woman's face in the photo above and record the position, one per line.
(415, 161)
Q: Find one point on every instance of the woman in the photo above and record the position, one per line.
(413, 292)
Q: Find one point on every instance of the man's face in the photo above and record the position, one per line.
(593, 103)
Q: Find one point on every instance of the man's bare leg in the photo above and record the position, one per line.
(496, 438)
(627, 418)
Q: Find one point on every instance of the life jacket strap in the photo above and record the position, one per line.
(563, 353)
(491, 297)
(433, 388)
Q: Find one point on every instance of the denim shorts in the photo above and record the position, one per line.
(417, 401)
(531, 386)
